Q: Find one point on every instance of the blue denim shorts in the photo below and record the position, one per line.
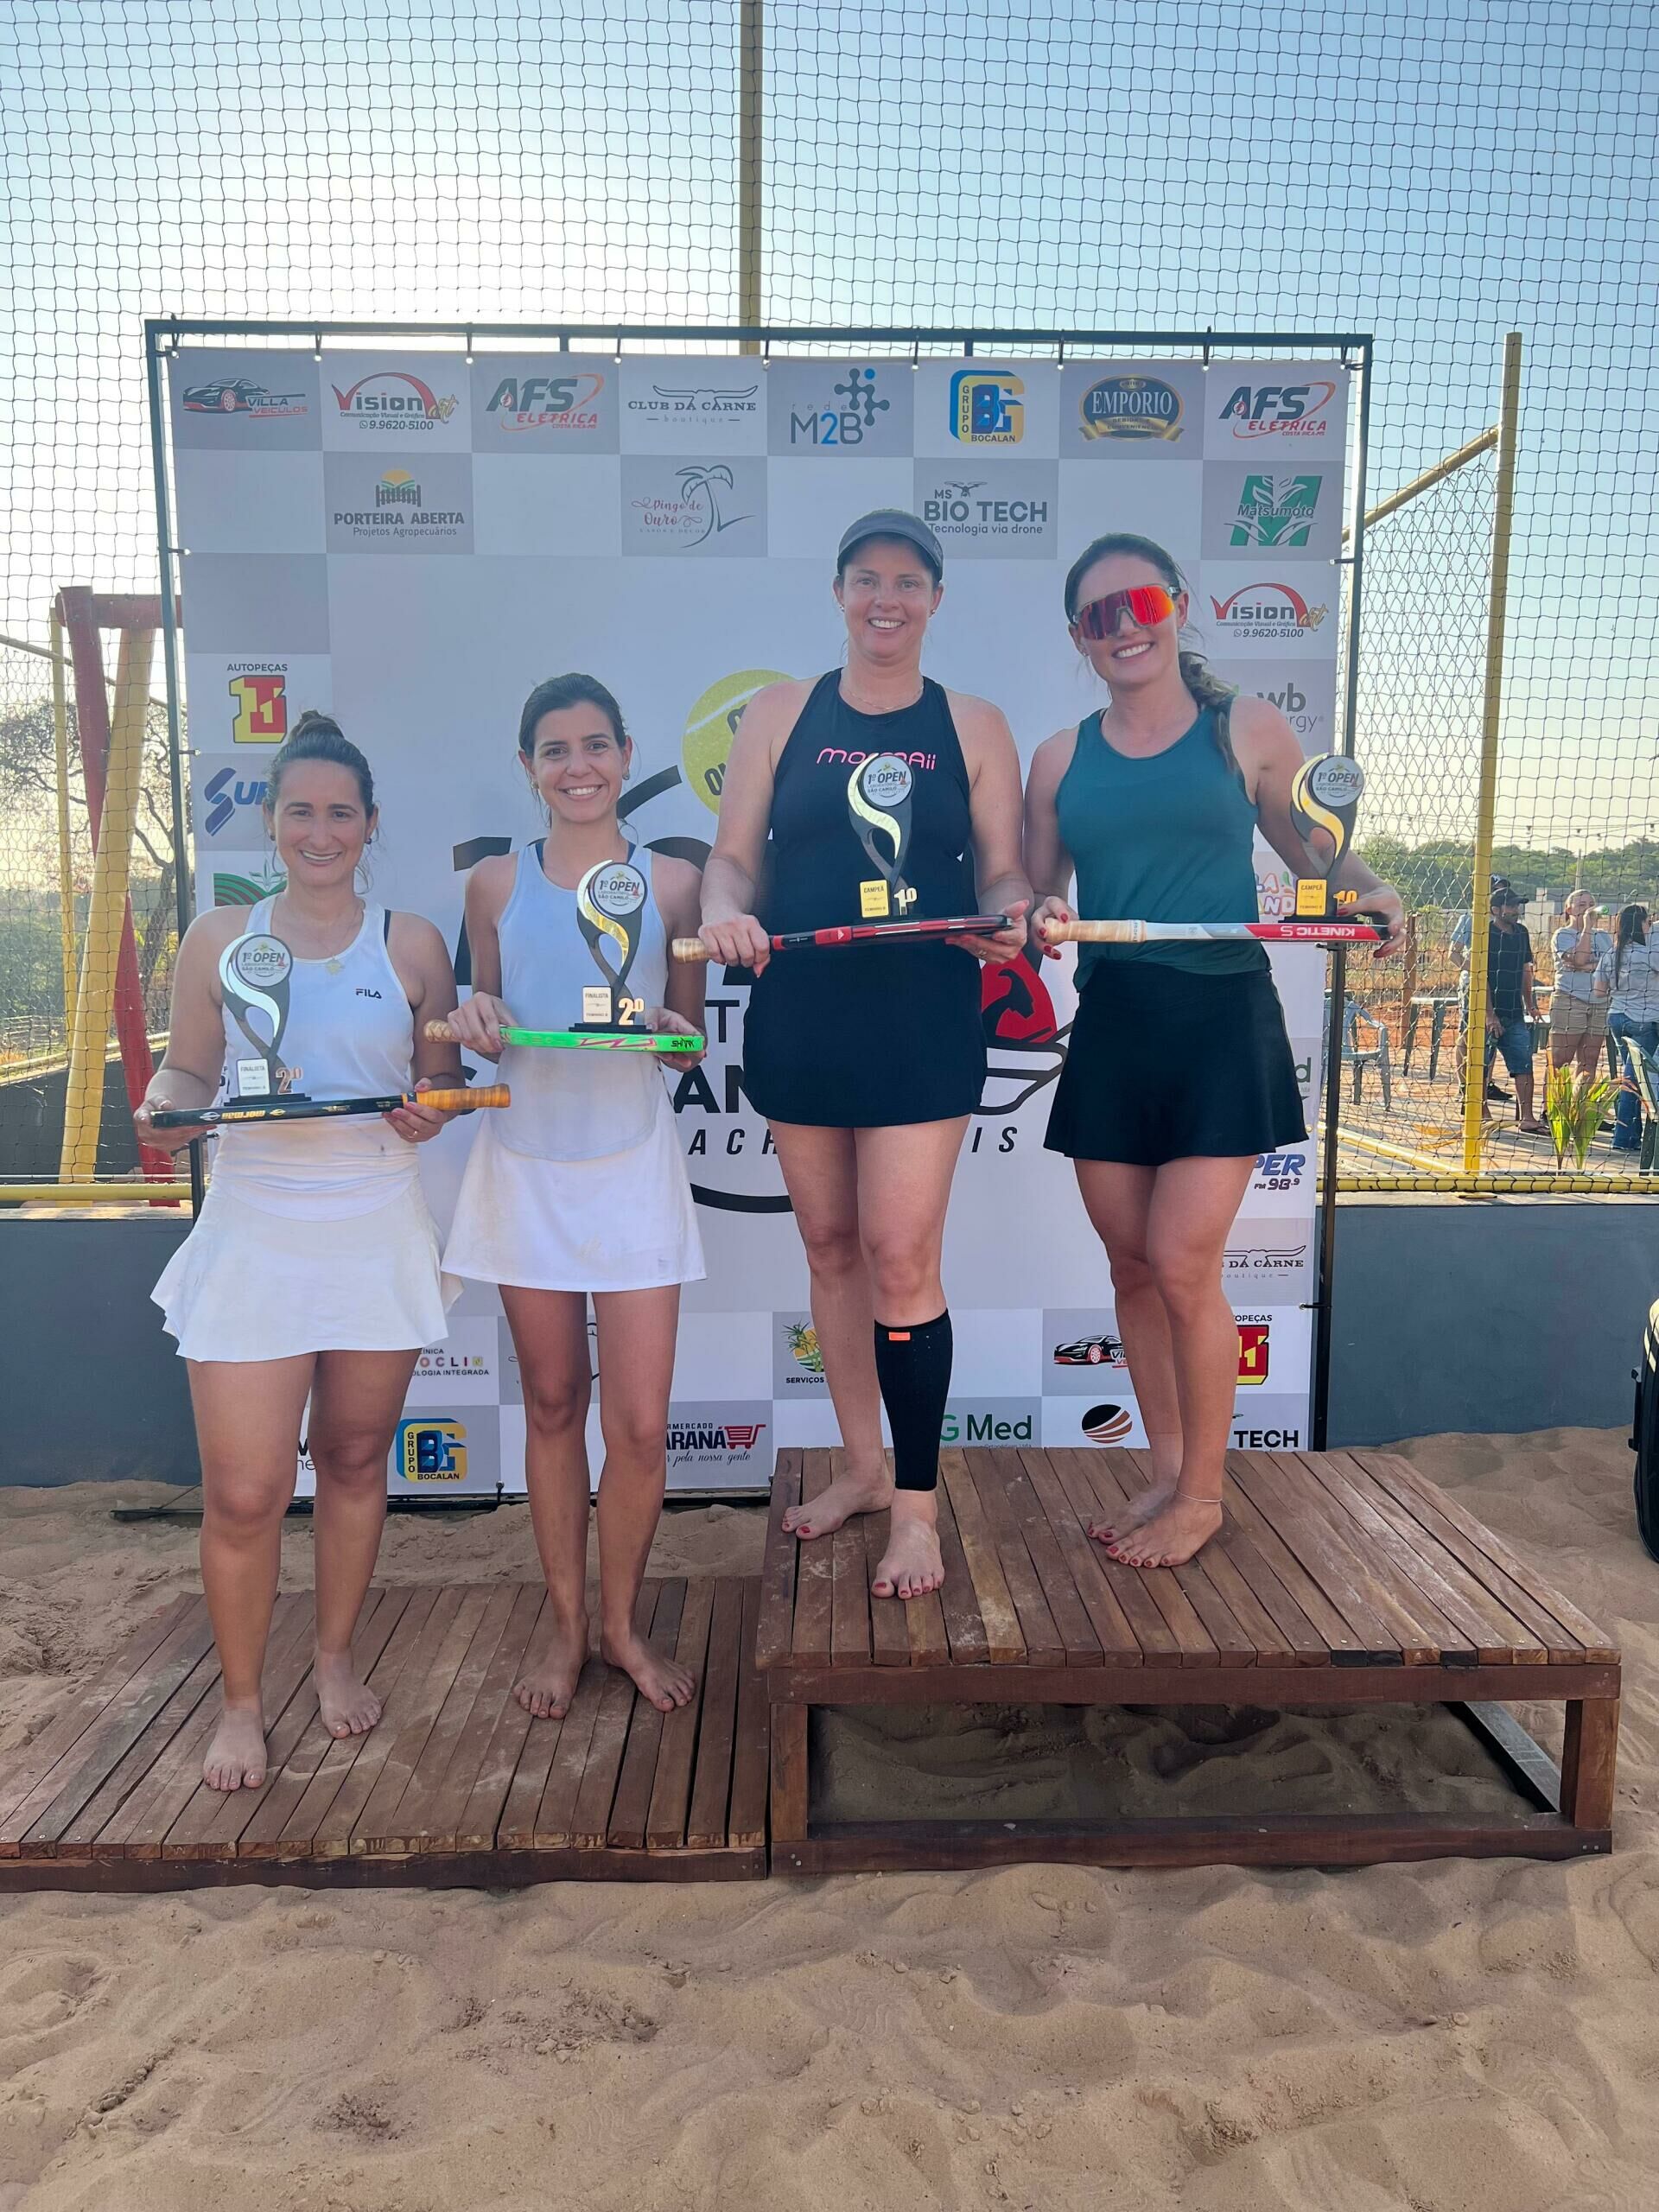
(1515, 1041)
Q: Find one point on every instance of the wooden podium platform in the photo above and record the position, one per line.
(456, 1785)
(1339, 1578)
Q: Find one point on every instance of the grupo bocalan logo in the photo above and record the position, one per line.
(431, 1450)
(1266, 614)
(1275, 511)
(393, 399)
(1275, 411)
(547, 403)
(1133, 407)
(241, 396)
(988, 407)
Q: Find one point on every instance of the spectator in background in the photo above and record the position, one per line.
(1577, 1018)
(1627, 980)
(1460, 940)
(1511, 1009)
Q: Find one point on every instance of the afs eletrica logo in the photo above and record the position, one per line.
(1280, 411)
(988, 407)
(561, 402)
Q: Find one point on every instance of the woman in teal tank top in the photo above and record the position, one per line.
(1178, 1072)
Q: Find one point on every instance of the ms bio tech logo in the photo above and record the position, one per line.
(431, 1451)
(391, 399)
(988, 407)
(1276, 411)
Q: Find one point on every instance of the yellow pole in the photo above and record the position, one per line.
(1474, 1072)
(95, 1194)
(66, 853)
(750, 75)
(89, 1046)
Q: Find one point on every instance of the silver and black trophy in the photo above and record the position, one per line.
(878, 800)
(611, 910)
(253, 976)
(1324, 794)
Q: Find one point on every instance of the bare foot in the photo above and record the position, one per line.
(663, 1683)
(349, 1706)
(1145, 1506)
(547, 1688)
(849, 1493)
(236, 1757)
(911, 1566)
(1171, 1537)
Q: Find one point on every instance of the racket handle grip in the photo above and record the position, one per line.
(462, 1102)
(1081, 932)
(440, 1033)
(690, 948)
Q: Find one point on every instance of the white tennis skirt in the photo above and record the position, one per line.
(246, 1285)
(624, 1222)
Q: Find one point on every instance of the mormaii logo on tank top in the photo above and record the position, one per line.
(837, 756)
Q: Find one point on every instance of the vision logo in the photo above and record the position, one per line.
(225, 796)
(1275, 511)
(1266, 614)
(261, 708)
(391, 399)
(1131, 407)
(430, 1450)
(1291, 410)
(988, 407)
(563, 403)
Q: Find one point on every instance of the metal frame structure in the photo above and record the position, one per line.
(1355, 350)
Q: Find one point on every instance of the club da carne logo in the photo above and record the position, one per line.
(1275, 511)
(695, 516)
(703, 400)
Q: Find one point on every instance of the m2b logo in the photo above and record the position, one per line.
(1279, 1171)
(847, 424)
(431, 1451)
(988, 407)
(1292, 411)
(261, 704)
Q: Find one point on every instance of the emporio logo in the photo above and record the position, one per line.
(1131, 407)
(391, 399)
(695, 516)
(1266, 614)
(431, 1451)
(714, 1435)
(848, 424)
(226, 795)
(961, 507)
(1253, 1334)
(241, 396)
(259, 700)
(1275, 411)
(1276, 511)
(988, 407)
(668, 400)
(1107, 1424)
(562, 402)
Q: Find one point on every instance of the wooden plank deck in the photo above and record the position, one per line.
(457, 1784)
(1338, 1578)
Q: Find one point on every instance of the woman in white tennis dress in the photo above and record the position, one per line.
(579, 1188)
(312, 1270)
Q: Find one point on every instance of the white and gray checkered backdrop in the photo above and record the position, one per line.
(413, 540)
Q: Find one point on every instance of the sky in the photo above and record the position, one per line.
(1436, 173)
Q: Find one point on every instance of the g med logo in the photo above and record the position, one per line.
(432, 1450)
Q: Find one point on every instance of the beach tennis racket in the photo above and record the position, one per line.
(584, 1040)
(693, 947)
(1332, 933)
(318, 1109)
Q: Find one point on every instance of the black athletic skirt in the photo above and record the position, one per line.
(866, 1038)
(1163, 1063)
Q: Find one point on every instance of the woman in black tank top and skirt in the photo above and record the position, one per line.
(1179, 1071)
(866, 1061)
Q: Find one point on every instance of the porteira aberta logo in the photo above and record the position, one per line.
(1131, 407)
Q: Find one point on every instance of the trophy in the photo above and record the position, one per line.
(878, 800)
(1324, 795)
(611, 910)
(253, 976)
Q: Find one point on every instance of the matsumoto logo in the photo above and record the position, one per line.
(563, 403)
(1131, 407)
(988, 407)
(1267, 612)
(1275, 511)
(1292, 411)
(391, 399)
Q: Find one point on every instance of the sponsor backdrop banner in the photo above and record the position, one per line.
(413, 540)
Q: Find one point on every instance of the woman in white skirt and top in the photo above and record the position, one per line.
(312, 1270)
(579, 1189)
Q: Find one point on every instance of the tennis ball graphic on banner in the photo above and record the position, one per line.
(712, 724)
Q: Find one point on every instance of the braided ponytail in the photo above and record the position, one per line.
(1200, 679)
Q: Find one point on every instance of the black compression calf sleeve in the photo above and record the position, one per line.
(913, 1367)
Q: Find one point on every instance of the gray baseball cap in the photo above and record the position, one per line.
(893, 522)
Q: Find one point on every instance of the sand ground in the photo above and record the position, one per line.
(1461, 2037)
